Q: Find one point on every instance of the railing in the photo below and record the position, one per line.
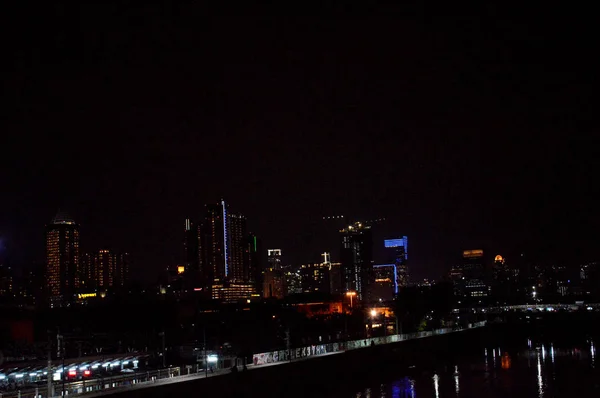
(330, 348)
(98, 385)
(81, 387)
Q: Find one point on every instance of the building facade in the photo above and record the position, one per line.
(62, 261)
(315, 278)
(385, 287)
(356, 256)
(398, 255)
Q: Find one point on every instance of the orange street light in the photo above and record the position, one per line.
(373, 313)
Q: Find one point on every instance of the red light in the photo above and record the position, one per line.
(72, 373)
(86, 373)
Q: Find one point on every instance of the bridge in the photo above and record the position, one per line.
(530, 308)
(138, 379)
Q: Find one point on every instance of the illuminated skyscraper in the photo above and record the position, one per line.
(399, 250)
(224, 248)
(62, 260)
(87, 273)
(315, 278)
(274, 258)
(255, 262)
(123, 262)
(192, 244)
(216, 248)
(274, 277)
(238, 249)
(357, 259)
(105, 269)
(385, 287)
(474, 284)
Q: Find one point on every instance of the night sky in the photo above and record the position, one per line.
(464, 132)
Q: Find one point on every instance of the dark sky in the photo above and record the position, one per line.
(463, 132)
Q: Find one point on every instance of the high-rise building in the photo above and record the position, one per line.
(224, 247)
(123, 262)
(255, 265)
(87, 272)
(474, 281)
(398, 248)
(273, 277)
(274, 284)
(293, 282)
(357, 259)
(274, 259)
(238, 249)
(385, 287)
(62, 260)
(335, 278)
(315, 278)
(105, 267)
(192, 246)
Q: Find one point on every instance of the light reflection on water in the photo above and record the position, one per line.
(539, 371)
(456, 381)
(539, 378)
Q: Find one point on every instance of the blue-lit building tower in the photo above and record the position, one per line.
(398, 249)
(224, 252)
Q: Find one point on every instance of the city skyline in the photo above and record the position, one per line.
(458, 139)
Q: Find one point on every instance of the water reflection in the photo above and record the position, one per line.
(456, 382)
(543, 352)
(404, 388)
(539, 378)
(542, 372)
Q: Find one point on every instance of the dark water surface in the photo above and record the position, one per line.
(528, 367)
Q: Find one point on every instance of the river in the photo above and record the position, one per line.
(527, 366)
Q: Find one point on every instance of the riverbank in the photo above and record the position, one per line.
(320, 374)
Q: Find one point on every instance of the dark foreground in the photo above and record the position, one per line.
(558, 363)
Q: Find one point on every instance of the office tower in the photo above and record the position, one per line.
(357, 259)
(273, 277)
(62, 260)
(500, 271)
(105, 267)
(274, 259)
(385, 287)
(215, 225)
(238, 249)
(315, 278)
(274, 284)
(192, 246)
(123, 262)
(87, 273)
(225, 245)
(398, 249)
(335, 278)
(225, 254)
(292, 282)
(255, 265)
(473, 268)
